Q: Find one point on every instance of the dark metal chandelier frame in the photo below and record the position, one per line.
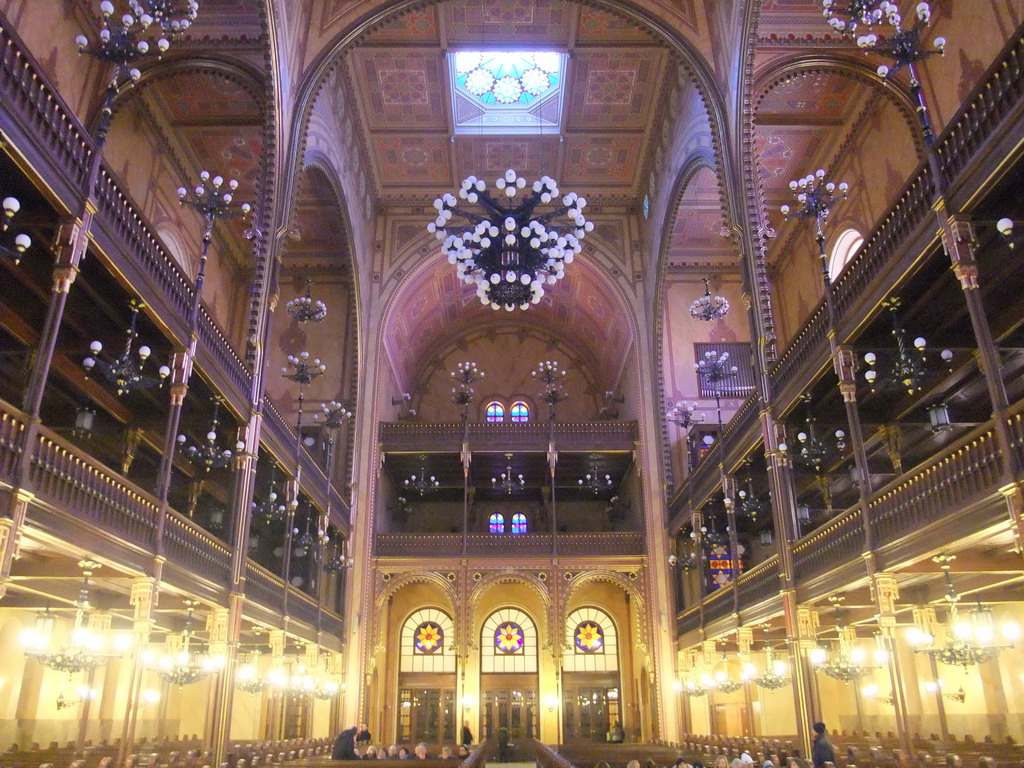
(511, 250)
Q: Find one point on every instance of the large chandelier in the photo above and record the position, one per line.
(774, 673)
(813, 450)
(845, 16)
(509, 250)
(847, 663)
(708, 307)
(722, 680)
(84, 650)
(21, 241)
(125, 372)
(174, 16)
(909, 368)
(968, 642)
(182, 665)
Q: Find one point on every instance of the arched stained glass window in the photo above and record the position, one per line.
(518, 523)
(498, 523)
(520, 412)
(495, 412)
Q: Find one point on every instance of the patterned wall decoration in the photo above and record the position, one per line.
(401, 86)
(614, 87)
(477, 21)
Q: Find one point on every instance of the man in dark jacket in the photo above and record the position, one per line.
(345, 745)
(467, 735)
(823, 751)
(363, 737)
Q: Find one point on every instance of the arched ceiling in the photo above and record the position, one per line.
(700, 237)
(434, 307)
(617, 80)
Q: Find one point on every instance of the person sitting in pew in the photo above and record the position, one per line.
(421, 751)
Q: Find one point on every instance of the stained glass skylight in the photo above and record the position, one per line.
(507, 91)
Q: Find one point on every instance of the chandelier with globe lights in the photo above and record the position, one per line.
(707, 307)
(86, 647)
(510, 248)
(306, 309)
(969, 641)
(506, 481)
(125, 372)
(422, 483)
(20, 241)
(845, 663)
(183, 665)
(774, 673)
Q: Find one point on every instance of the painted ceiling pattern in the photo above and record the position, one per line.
(400, 77)
(438, 307)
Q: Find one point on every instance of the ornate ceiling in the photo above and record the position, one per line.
(615, 82)
(580, 310)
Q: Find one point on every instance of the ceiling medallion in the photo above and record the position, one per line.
(509, 250)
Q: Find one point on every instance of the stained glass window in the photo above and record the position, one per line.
(589, 637)
(508, 638)
(429, 637)
(495, 412)
(518, 523)
(507, 77)
(519, 412)
(507, 91)
(498, 523)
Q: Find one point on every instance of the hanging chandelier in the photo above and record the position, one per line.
(684, 415)
(813, 450)
(773, 676)
(722, 681)
(339, 561)
(708, 307)
(84, 650)
(174, 16)
(509, 250)
(846, 17)
(909, 368)
(421, 483)
(552, 377)
(208, 455)
(463, 377)
(847, 663)
(247, 676)
(182, 665)
(306, 309)
(967, 642)
(903, 46)
(506, 481)
(690, 688)
(749, 504)
(21, 241)
(270, 507)
(595, 482)
(125, 372)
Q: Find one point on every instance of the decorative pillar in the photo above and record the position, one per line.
(925, 618)
(142, 598)
(845, 363)
(223, 644)
(744, 638)
(69, 248)
(801, 637)
(885, 591)
(708, 649)
(729, 490)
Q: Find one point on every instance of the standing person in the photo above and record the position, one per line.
(467, 735)
(363, 737)
(345, 745)
(822, 752)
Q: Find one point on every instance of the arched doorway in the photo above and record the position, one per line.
(426, 679)
(591, 687)
(508, 674)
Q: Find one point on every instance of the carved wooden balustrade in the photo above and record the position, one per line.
(688, 621)
(899, 237)
(73, 491)
(759, 584)
(411, 437)
(719, 604)
(488, 545)
(59, 149)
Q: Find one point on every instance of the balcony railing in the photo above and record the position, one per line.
(75, 485)
(760, 583)
(410, 437)
(487, 545)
